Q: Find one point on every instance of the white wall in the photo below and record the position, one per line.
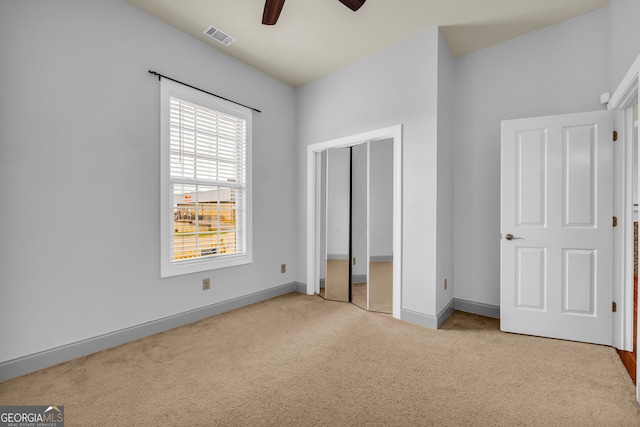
(395, 86)
(79, 165)
(559, 69)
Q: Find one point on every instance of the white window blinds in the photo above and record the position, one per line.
(208, 178)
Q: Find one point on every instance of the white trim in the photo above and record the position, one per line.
(393, 132)
(622, 244)
(368, 249)
(318, 229)
(621, 98)
(623, 237)
(625, 96)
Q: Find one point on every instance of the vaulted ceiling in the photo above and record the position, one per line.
(315, 37)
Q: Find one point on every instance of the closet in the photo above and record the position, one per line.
(356, 225)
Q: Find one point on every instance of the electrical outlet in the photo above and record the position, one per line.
(283, 268)
(206, 284)
(445, 284)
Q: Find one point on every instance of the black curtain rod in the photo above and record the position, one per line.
(160, 76)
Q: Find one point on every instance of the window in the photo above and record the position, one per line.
(205, 181)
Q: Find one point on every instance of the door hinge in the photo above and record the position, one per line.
(614, 306)
(615, 221)
(615, 135)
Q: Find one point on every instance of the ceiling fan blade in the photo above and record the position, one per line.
(353, 4)
(272, 9)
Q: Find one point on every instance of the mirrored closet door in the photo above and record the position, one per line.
(338, 218)
(356, 227)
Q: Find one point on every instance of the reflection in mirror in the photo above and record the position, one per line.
(359, 229)
(337, 271)
(381, 226)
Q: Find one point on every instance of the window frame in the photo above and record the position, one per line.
(169, 267)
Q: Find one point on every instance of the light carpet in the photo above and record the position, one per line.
(299, 360)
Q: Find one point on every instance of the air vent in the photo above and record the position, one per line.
(217, 34)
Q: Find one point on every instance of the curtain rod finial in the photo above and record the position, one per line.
(156, 74)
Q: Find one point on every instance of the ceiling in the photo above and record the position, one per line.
(316, 37)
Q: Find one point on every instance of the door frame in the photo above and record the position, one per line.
(313, 205)
(624, 97)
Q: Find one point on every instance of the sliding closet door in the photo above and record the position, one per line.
(381, 226)
(338, 194)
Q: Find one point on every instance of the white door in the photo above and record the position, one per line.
(556, 227)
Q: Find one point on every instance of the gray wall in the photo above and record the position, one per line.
(79, 172)
(79, 159)
(396, 86)
(560, 69)
(360, 240)
(381, 198)
(377, 177)
(338, 194)
(625, 37)
(446, 166)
